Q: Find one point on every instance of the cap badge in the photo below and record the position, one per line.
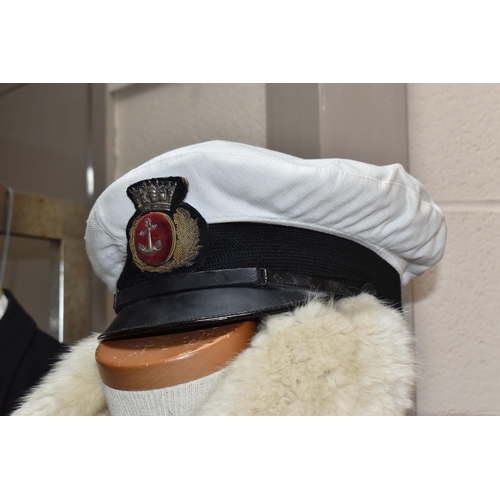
(163, 235)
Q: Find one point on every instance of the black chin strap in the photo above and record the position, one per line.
(248, 277)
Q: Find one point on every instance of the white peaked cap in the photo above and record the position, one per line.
(380, 207)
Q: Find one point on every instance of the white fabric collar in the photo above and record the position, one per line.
(177, 401)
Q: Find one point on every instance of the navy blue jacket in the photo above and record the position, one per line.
(26, 354)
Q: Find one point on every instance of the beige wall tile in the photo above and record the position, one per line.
(457, 321)
(454, 150)
(454, 139)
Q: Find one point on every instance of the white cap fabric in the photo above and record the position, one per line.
(380, 207)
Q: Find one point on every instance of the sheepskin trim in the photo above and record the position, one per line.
(72, 387)
(351, 357)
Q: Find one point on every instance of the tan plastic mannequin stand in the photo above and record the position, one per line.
(161, 361)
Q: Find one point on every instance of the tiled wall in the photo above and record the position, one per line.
(454, 149)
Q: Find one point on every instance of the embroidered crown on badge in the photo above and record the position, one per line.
(152, 195)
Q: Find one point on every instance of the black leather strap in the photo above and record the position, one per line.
(251, 276)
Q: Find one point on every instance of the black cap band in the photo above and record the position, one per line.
(250, 270)
(289, 249)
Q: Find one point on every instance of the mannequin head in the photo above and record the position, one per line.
(177, 369)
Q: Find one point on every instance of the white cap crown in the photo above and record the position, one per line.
(380, 207)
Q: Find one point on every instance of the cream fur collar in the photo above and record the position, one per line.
(351, 357)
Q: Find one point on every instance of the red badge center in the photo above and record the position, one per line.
(154, 238)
